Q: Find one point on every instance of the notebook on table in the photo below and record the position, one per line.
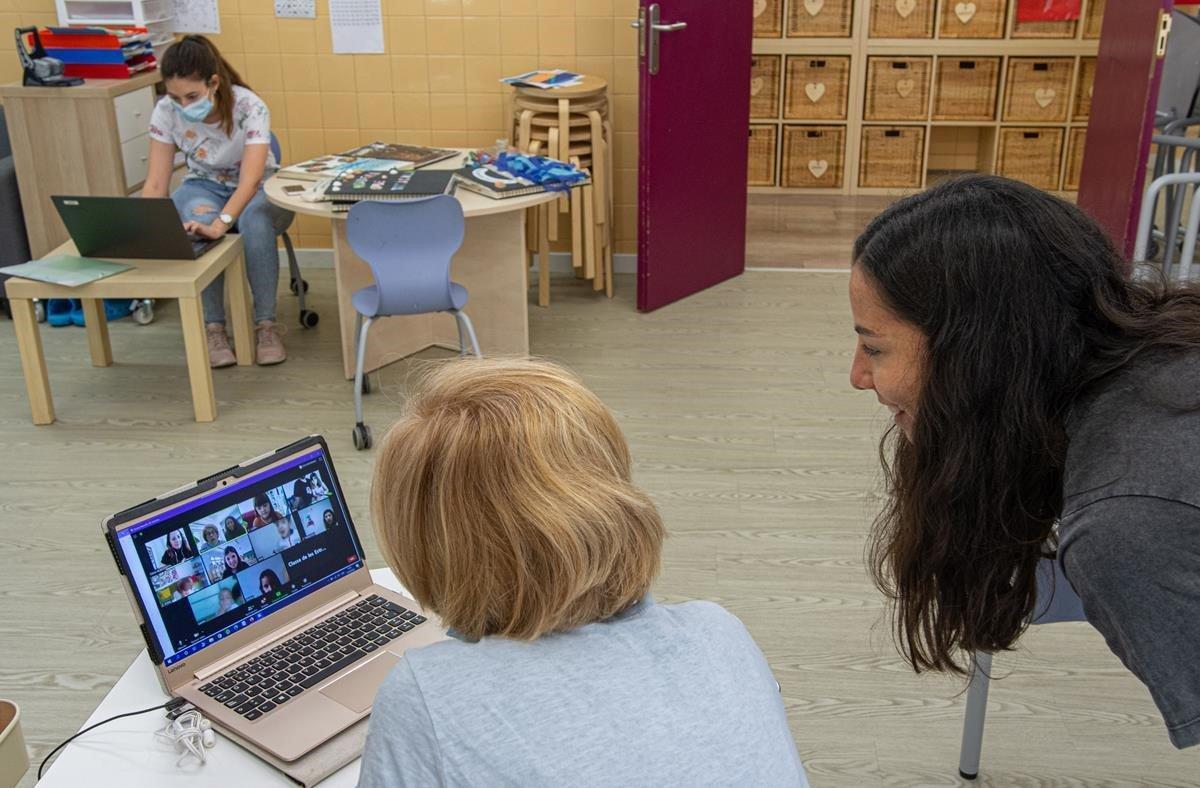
(495, 183)
(388, 186)
(323, 167)
(65, 270)
(415, 155)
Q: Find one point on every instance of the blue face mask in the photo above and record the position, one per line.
(197, 111)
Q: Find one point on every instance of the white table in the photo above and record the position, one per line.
(125, 753)
(492, 264)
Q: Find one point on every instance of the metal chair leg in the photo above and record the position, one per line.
(465, 322)
(294, 268)
(462, 347)
(976, 713)
(364, 325)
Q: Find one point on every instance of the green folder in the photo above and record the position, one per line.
(65, 270)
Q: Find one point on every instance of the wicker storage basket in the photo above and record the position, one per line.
(1038, 89)
(1083, 88)
(820, 18)
(761, 161)
(768, 18)
(1030, 155)
(892, 157)
(764, 85)
(1094, 18)
(1074, 160)
(813, 156)
(898, 88)
(902, 18)
(1061, 29)
(972, 19)
(817, 88)
(966, 88)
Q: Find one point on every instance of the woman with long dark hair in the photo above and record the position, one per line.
(1031, 385)
(224, 132)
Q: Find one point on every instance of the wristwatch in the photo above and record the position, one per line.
(227, 219)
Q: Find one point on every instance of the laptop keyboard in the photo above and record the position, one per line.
(303, 661)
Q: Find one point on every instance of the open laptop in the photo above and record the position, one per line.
(141, 228)
(252, 592)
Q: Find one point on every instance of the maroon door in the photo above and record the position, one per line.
(1124, 98)
(694, 118)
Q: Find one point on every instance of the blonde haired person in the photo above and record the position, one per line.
(502, 499)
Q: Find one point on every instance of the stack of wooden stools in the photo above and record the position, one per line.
(571, 124)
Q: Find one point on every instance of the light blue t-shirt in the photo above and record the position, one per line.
(659, 695)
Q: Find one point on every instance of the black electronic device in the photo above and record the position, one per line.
(40, 69)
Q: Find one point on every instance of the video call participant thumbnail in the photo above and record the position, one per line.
(174, 548)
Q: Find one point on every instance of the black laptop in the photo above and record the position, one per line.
(129, 227)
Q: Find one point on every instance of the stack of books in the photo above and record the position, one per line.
(100, 52)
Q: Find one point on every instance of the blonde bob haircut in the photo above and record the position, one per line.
(502, 500)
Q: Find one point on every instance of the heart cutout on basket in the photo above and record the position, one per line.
(818, 167)
(759, 7)
(905, 87)
(756, 85)
(815, 91)
(965, 12)
(1044, 96)
(813, 7)
(905, 8)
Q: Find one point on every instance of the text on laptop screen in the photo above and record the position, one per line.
(220, 562)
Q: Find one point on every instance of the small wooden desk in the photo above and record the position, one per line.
(492, 264)
(182, 280)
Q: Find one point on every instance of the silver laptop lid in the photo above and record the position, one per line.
(216, 565)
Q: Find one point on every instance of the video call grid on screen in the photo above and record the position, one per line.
(213, 565)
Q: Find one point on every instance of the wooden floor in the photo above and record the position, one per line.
(744, 428)
(806, 231)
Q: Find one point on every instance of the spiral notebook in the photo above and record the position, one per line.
(391, 186)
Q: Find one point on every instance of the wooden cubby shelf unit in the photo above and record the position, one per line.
(1038, 94)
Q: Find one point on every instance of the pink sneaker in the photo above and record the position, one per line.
(268, 348)
(219, 352)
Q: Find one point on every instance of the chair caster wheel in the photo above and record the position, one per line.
(309, 318)
(143, 314)
(366, 386)
(297, 284)
(362, 437)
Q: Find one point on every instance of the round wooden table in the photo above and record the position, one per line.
(492, 264)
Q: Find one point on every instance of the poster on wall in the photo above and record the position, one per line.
(296, 9)
(1048, 10)
(196, 16)
(357, 26)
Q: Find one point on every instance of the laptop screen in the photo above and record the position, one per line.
(222, 561)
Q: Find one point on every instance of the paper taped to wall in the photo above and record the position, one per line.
(197, 16)
(296, 9)
(357, 26)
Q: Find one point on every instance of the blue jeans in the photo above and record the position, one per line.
(201, 200)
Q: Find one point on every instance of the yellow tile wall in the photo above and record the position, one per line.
(437, 84)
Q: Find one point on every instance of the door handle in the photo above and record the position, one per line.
(649, 29)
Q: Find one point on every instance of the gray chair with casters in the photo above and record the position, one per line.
(1056, 601)
(308, 318)
(408, 246)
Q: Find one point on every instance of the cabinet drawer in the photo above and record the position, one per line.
(135, 156)
(133, 112)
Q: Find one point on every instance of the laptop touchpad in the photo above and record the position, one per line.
(356, 690)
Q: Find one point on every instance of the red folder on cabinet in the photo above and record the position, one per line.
(92, 37)
(1047, 10)
(111, 70)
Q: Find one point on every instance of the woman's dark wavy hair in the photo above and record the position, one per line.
(1024, 306)
(195, 57)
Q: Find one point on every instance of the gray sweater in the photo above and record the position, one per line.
(659, 695)
(1130, 530)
